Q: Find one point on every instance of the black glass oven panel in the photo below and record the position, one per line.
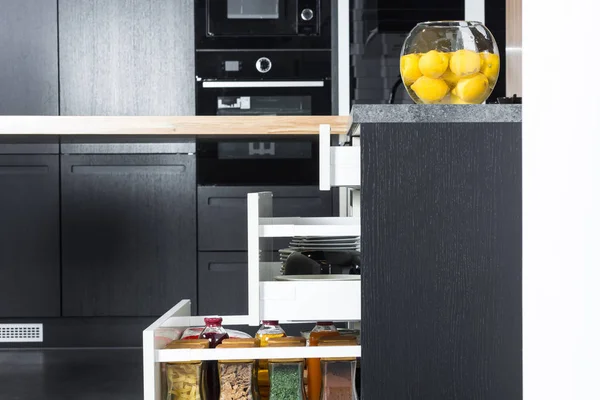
(270, 161)
(235, 150)
(283, 65)
(255, 100)
(264, 105)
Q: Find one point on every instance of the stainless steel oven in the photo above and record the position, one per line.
(263, 24)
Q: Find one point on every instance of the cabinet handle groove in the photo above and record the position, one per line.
(127, 169)
(24, 169)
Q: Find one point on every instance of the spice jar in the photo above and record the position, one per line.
(268, 330)
(237, 377)
(185, 380)
(338, 375)
(322, 329)
(286, 376)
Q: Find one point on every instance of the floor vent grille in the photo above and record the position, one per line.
(20, 333)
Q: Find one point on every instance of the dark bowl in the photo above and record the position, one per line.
(316, 262)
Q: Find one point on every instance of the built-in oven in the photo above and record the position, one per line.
(268, 24)
(260, 83)
(263, 83)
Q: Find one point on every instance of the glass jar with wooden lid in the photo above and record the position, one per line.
(268, 330)
(338, 374)
(286, 376)
(237, 378)
(186, 380)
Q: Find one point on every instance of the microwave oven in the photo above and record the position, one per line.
(263, 24)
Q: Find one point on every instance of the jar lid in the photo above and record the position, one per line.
(270, 322)
(213, 321)
(238, 344)
(337, 341)
(188, 344)
(324, 323)
(290, 341)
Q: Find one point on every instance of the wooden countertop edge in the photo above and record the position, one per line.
(199, 125)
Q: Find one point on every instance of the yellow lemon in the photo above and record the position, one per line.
(409, 68)
(430, 90)
(450, 78)
(454, 99)
(490, 65)
(472, 89)
(465, 62)
(433, 64)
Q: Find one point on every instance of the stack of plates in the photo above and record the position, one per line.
(332, 243)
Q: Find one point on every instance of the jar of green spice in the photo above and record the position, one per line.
(286, 376)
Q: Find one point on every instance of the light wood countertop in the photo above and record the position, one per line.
(200, 125)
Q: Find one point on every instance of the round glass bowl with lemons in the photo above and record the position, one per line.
(450, 62)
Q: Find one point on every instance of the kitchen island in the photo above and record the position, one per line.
(441, 247)
(440, 212)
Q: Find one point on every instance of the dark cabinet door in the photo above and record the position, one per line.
(29, 236)
(28, 57)
(222, 283)
(128, 233)
(223, 212)
(126, 57)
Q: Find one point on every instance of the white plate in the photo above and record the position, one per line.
(337, 277)
(332, 248)
(325, 240)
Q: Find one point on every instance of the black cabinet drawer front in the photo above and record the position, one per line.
(29, 236)
(222, 283)
(222, 213)
(31, 144)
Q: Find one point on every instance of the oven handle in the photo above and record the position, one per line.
(261, 84)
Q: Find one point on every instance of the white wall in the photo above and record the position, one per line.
(561, 203)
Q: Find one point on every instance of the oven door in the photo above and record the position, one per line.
(261, 160)
(264, 160)
(221, 97)
(261, 17)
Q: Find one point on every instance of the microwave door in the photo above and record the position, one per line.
(240, 18)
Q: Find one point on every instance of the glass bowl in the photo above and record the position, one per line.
(450, 62)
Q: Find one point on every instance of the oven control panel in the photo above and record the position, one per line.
(284, 65)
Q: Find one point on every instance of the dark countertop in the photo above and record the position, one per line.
(418, 113)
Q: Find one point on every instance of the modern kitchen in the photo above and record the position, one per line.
(288, 199)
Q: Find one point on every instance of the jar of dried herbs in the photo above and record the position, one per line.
(286, 376)
(237, 378)
(186, 380)
(338, 375)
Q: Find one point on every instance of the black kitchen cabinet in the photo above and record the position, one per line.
(223, 283)
(442, 255)
(225, 211)
(126, 57)
(29, 236)
(128, 233)
(28, 57)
